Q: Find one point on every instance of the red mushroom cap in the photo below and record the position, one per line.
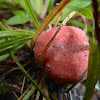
(66, 59)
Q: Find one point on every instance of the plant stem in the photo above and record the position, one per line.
(32, 15)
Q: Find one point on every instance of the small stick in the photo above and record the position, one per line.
(20, 98)
(70, 95)
(85, 23)
(50, 26)
(23, 84)
(68, 17)
(15, 94)
(40, 85)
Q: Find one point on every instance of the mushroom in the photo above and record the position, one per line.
(66, 59)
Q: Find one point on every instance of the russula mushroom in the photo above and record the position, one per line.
(66, 59)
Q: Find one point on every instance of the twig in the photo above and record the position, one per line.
(27, 71)
(40, 85)
(6, 67)
(15, 86)
(31, 91)
(70, 95)
(50, 26)
(85, 23)
(23, 84)
(20, 98)
(8, 72)
(68, 17)
(45, 89)
(15, 94)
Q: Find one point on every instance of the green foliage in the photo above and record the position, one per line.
(31, 13)
(50, 5)
(17, 33)
(81, 10)
(37, 6)
(17, 20)
(18, 41)
(2, 1)
(79, 24)
(93, 70)
(20, 15)
(29, 93)
(8, 46)
(13, 40)
(14, 44)
(3, 28)
(5, 54)
(81, 3)
(76, 5)
(14, 1)
(19, 12)
(5, 5)
(4, 88)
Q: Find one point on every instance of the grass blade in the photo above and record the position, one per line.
(13, 43)
(6, 53)
(81, 10)
(18, 33)
(37, 4)
(50, 5)
(93, 70)
(31, 13)
(17, 19)
(29, 77)
(94, 57)
(79, 24)
(29, 93)
(2, 27)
